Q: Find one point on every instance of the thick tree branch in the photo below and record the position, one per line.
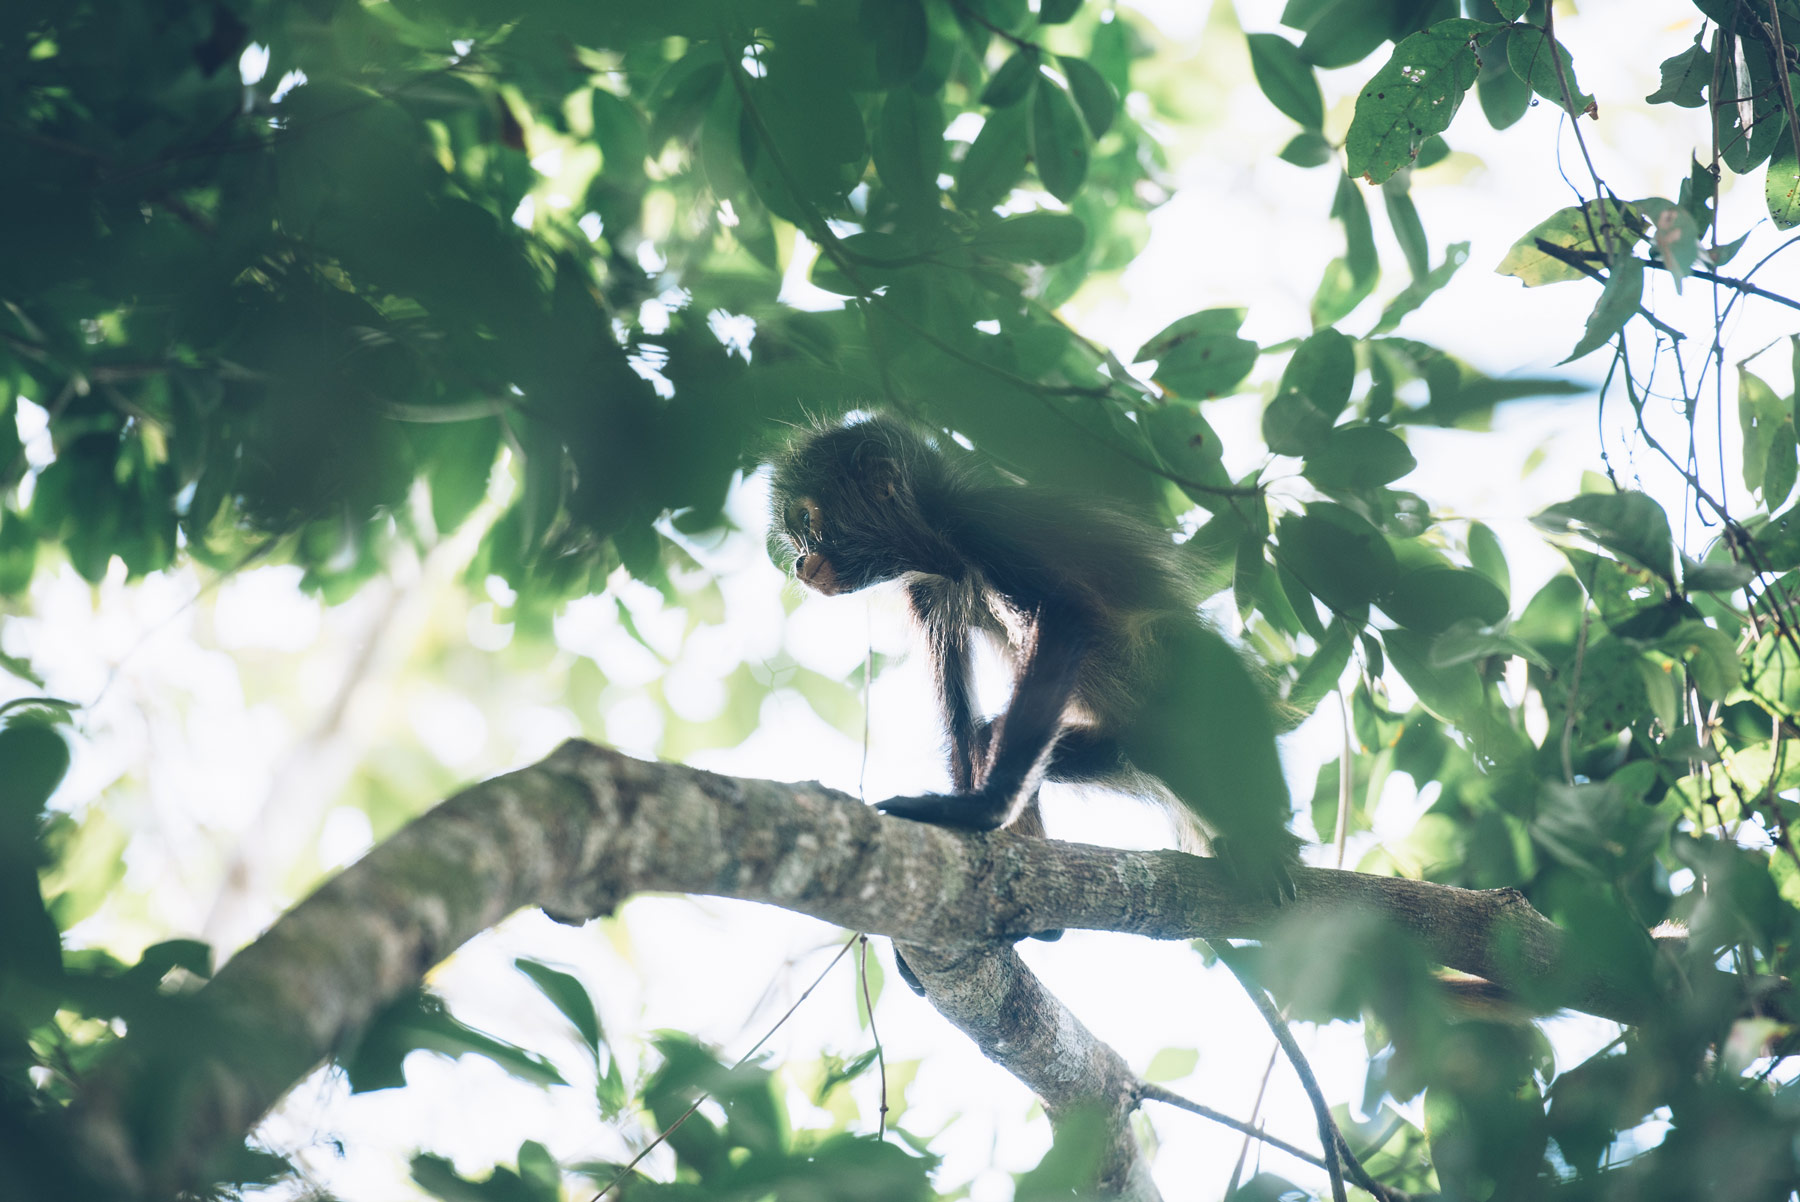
(580, 832)
(999, 1003)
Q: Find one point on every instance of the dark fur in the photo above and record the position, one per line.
(1094, 608)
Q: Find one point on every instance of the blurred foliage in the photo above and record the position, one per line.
(318, 281)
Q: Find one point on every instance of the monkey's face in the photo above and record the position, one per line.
(842, 516)
(803, 524)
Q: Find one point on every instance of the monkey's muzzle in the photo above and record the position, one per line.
(815, 571)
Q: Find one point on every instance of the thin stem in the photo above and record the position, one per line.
(880, 1055)
(699, 1101)
(1329, 1137)
(1156, 1093)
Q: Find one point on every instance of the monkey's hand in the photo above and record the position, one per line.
(966, 811)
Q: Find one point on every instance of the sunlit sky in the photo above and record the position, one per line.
(225, 722)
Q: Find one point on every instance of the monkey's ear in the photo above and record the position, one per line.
(878, 470)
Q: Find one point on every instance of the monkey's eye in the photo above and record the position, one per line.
(803, 519)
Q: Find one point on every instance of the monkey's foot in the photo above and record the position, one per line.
(1265, 874)
(967, 811)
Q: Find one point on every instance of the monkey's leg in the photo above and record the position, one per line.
(1023, 737)
(1082, 756)
(947, 644)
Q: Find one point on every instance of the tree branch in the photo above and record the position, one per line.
(583, 830)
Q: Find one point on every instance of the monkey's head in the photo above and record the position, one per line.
(846, 505)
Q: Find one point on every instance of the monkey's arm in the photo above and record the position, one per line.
(1019, 746)
(947, 642)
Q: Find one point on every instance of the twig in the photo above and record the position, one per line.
(1015, 39)
(1574, 259)
(1329, 1137)
(701, 1100)
(1262, 1091)
(1710, 277)
(1148, 1092)
(880, 1056)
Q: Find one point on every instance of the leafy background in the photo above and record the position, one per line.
(263, 370)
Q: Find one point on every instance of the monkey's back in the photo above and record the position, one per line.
(1029, 549)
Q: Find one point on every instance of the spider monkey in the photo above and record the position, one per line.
(1095, 610)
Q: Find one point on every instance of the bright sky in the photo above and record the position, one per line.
(212, 723)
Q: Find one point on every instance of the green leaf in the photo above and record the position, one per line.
(1710, 655)
(1322, 370)
(1344, 32)
(817, 142)
(899, 32)
(1201, 355)
(1095, 97)
(683, 94)
(1033, 238)
(1171, 1064)
(1293, 425)
(1435, 599)
(1056, 12)
(1013, 80)
(1188, 445)
(1719, 576)
(1357, 457)
(1307, 149)
(1347, 281)
(1597, 228)
(458, 459)
(619, 131)
(1504, 96)
(1322, 671)
(568, 995)
(1421, 290)
(1059, 141)
(1628, 524)
(419, 1020)
(1781, 187)
(1452, 692)
(1301, 602)
(1547, 67)
(1698, 191)
(18, 553)
(1287, 79)
(1469, 639)
(1685, 78)
(1248, 570)
(909, 147)
(1489, 559)
(1767, 423)
(1412, 97)
(995, 162)
(1774, 675)
(1339, 557)
(36, 759)
(1409, 230)
(1660, 691)
(1618, 303)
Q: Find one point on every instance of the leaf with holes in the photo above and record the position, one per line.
(1412, 97)
(1201, 355)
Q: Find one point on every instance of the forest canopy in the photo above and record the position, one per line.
(513, 297)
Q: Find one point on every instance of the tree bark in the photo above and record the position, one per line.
(588, 827)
